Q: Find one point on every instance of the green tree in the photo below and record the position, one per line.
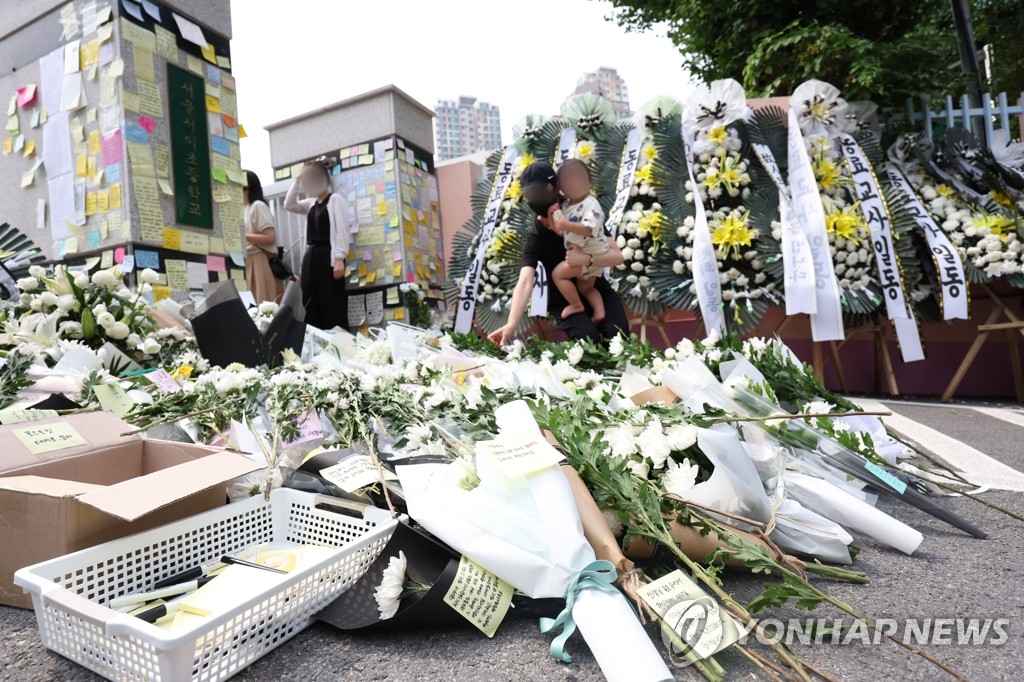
(884, 51)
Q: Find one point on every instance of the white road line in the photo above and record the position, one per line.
(1015, 417)
(971, 463)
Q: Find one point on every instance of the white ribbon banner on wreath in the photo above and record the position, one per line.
(566, 145)
(827, 322)
(948, 264)
(797, 260)
(705, 262)
(471, 281)
(890, 276)
(539, 295)
(627, 173)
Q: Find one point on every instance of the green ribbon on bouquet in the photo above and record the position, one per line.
(597, 575)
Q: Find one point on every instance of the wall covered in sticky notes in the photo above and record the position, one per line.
(88, 133)
(391, 192)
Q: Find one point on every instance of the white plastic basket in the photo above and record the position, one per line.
(69, 593)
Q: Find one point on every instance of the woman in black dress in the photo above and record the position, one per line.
(327, 244)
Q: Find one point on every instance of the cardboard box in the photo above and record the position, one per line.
(57, 502)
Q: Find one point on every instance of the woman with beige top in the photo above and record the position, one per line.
(260, 243)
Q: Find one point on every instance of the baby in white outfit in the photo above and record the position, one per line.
(581, 222)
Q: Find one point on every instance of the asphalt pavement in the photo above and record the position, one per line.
(951, 576)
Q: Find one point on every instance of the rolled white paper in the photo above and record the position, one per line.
(621, 646)
(847, 510)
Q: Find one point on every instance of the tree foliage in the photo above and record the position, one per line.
(884, 51)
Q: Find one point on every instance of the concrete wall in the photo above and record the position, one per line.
(357, 120)
(455, 184)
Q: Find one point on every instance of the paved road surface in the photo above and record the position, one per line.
(951, 576)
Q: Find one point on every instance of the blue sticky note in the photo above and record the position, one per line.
(220, 145)
(231, 134)
(147, 259)
(113, 172)
(336, 169)
(128, 264)
(132, 9)
(93, 238)
(213, 74)
(151, 9)
(238, 259)
(136, 133)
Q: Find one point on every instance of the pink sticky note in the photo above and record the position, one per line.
(163, 381)
(397, 255)
(26, 95)
(216, 264)
(119, 255)
(411, 277)
(147, 123)
(380, 187)
(112, 147)
(367, 254)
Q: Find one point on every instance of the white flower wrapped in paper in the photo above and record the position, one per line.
(526, 530)
(718, 104)
(819, 109)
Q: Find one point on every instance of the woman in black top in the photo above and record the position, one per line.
(327, 244)
(546, 247)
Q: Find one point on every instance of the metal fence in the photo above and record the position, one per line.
(995, 113)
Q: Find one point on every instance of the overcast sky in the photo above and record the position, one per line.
(524, 56)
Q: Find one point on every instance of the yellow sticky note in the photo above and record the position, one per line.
(165, 187)
(90, 203)
(382, 208)
(82, 165)
(397, 270)
(209, 54)
(371, 277)
(11, 415)
(49, 437)
(94, 142)
(399, 313)
(241, 131)
(194, 242)
(28, 178)
(212, 104)
(115, 195)
(8, 145)
(160, 292)
(172, 239)
(520, 455)
(90, 167)
(113, 399)
(177, 274)
(362, 269)
(479, 596)
(103, 201)
(30, 147)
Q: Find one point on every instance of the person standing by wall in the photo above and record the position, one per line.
(260, 243)
(327, 244)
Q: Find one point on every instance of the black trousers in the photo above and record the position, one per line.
(324, 297)
(580, 326)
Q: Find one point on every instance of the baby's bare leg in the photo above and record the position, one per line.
(593, 296)
(563, 279)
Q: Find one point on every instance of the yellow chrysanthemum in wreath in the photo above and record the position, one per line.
(733, 232)
(718, 135)
(650, 152)
(827, 172)
(524, 161)
(1001, 199)
(515, 191)
(944, 191)
(995, 223)
(845, 223)
(644, 174)
(648, 226)
(584, 149)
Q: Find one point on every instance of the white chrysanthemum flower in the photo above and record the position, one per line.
(575, 354)
(621, 441)
(681, 436)
(105, 278)
(653, 444)
(105, 320)
(28, 283)
(118, 331)
(389, 593)
(679, 479)
(818, 407)
(616, 347)
(37, 271)
(638, 469)
(151, 346)
(149, 276)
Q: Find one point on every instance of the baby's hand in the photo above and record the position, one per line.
(552, 210)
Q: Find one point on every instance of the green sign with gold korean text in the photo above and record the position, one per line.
(190, 148)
